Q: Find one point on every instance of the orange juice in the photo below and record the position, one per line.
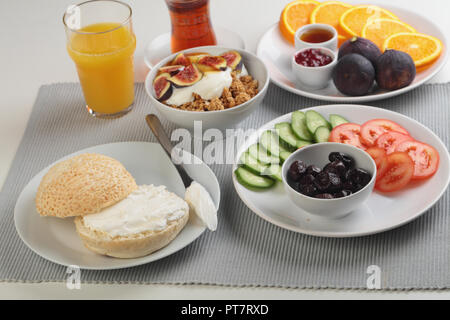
(103, 54)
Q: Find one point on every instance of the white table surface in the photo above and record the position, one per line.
(33, 53)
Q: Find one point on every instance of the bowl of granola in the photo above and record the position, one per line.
(218, 86)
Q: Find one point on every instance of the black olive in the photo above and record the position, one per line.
(296, 170)
(363, 177)
(330, 168)
(335, 182)
(322, 181)
(335, 156)
(308, 190)
(306, 180)
(313, 170)
(343, 193)
(348, 161)
(325, 196)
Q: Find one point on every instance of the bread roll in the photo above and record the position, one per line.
(146, 221)
(82, 185)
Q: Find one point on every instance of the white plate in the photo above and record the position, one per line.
(56, 239)
(380, 213)
(277, 52)
(159, 48)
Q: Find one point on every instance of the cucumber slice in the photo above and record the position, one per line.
(252, 164)
(251, 180)
(274, 171)
(337, 120)
(263, 156)
(284, 155)
(315, 120)
(286, 134)
(322, 134)
(269, 140)
(302, 144)
(299, 126)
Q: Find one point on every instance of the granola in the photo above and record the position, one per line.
(241, 90)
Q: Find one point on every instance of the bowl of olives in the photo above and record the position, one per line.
(329, 179)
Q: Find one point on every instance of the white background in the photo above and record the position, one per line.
(33, 53)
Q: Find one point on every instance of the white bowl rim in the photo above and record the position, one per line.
(318, 145)
(168, 58)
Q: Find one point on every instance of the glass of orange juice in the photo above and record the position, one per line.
(101, 42)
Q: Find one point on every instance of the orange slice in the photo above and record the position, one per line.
(329, 13)
(423, 49)
(294, 16)
(378, 30)
(354, 19)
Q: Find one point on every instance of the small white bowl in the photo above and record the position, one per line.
(314, 77)
(222, 119)
(317, 154)
(331, 44)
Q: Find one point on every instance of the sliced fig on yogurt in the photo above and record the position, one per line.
(234, 60)
(163, 87)
(172, 70)
(194, 57)
(189, 76)
(181, 59)
(212, 63)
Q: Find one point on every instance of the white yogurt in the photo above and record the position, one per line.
(210, 86)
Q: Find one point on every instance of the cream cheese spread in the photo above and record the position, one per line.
(149, 208)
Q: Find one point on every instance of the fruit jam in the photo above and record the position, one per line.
(313, 58)
(191, 25)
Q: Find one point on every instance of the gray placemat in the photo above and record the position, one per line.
(245, 250)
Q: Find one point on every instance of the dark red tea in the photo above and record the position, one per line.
(316, 36)
(191, 25)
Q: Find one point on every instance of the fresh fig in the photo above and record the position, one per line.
(234, 60)
(354, 75)
(194, 57)
(211, 63)
(181, 59)
(172, 70)
(364, 47)
(162, 86)
(395, 70)
(189, 76)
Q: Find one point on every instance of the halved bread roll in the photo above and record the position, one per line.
(82, 185)
(146, 221)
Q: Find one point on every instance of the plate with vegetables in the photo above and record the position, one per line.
(413, 169)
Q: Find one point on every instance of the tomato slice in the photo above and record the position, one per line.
(390, 140)
(424, 156)
(347, 133)
(379, 156)
(373, 129)
(399, 172)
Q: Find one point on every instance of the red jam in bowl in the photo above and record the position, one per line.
(313, 58)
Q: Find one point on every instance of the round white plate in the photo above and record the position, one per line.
(277, 52)
(56, 239)
(380, 213)
(159, 48)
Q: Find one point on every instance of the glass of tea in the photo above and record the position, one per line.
(101, 43)
(191, 24)
(316, 35)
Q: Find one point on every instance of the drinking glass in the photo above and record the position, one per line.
(191, 24)
(101, 42)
